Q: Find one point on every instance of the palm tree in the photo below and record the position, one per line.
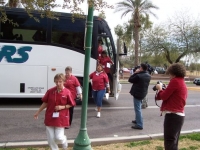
(136, 8)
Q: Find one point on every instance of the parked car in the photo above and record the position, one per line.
(126, 70)
(160, 70)
(196, 81)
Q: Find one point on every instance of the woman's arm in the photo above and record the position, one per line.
(79, 91)
(91, 75)
(43, 106)
(106, 81)
(60, 107)
(165, 94)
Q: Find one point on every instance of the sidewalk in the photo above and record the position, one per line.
(189, 87)
(194, 88)
(94, 142)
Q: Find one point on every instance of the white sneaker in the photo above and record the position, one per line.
(65, 144)
(96, 109)
(98, 114)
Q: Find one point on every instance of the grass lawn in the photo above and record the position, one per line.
(186, 142)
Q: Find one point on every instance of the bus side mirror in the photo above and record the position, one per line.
(125, 50)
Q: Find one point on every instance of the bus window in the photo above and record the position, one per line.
(109, 48)
(26, 30)
(68, 33)
(106, 46)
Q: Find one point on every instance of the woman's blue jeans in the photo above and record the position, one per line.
(138, 112)
(98, 97)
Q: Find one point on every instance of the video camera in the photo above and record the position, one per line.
(162, 85)
(150, 69)
(137, 67)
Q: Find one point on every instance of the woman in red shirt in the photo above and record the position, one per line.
(174, 100)
(100, 47)
(73, 85)
(57, 102)
(99, 84)
(106, 63)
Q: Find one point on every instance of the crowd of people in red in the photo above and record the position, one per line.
(59, 101)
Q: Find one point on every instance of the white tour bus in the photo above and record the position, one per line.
(33, 52)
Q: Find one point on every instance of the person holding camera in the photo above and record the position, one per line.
(139, 89)
(174, 100)
(149, 70)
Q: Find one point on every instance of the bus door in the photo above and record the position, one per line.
(115, 86)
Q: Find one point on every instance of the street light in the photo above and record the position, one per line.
(82, 141)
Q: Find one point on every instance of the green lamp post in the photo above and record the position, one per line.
(82, 141)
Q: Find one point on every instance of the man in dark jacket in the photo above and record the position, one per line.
(139, 89)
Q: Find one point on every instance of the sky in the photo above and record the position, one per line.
(167, 8)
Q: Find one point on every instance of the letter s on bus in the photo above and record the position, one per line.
(8, 51)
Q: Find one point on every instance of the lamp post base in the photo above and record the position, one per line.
(82, 141)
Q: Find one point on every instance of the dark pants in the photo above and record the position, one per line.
(172, 128)
(71, 111)
(110, 81)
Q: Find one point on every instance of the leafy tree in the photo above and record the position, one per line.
(45, 7)
(136, 8)
(179, 37)
(145, 24)
(102, 15)
(125, 33)
(119, 31)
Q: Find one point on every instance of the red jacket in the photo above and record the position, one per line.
(100, 49)
(99, 80)
(53, 98)
(104, 61)
(71, 83)
(174, 96)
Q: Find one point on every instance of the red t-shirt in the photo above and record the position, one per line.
(104, 61)
(99, 80)
(71, 83)
(174, 96)
(53, 98)
(100, 49)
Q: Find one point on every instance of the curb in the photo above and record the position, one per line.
(153, 82)
(194, 88)
(94, 142)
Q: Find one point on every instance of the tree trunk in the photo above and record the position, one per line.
(136, 35)
(136, 38)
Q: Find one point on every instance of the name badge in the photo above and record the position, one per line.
(108, 65)
(55, 115)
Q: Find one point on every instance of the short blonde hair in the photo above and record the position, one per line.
(68, 68)
(101, 67)
(59, 76)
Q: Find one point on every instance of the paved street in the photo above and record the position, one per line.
(17, 123)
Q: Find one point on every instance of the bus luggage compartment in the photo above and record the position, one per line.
(23, 81)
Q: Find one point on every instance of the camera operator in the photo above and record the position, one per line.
(149, 70)
(140, 80)
(174, 99)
